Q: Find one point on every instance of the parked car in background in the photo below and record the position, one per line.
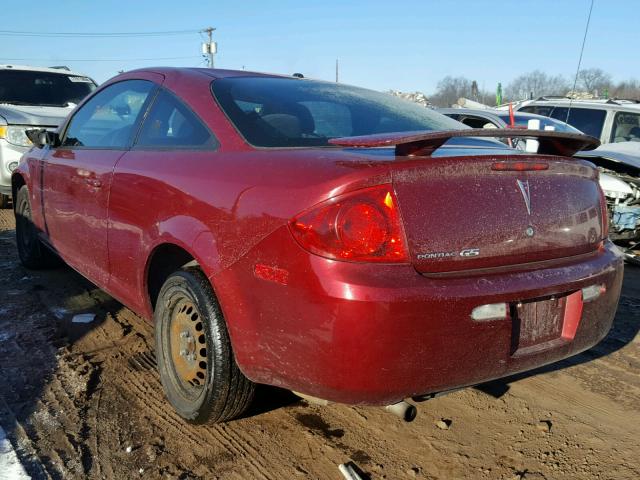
(331, 240)
(494, 118)
(610, 121)
(33, 97)
(619, 165)
(491, 117)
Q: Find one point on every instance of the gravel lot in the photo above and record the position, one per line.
(83, 400)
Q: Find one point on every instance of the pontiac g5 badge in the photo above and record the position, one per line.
(467, 252)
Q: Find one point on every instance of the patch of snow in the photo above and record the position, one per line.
(5, 336)
(58, 312)
(416, 97)
(10, 466)
(83, 318)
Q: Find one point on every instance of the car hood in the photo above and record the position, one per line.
(34, 114)
(627, 153)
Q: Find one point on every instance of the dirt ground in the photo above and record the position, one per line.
(84, 401)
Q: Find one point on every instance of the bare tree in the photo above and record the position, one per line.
(536, 83)
(627, 89)
(450, 89)
(592, 79)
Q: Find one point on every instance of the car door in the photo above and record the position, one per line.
(77, 174)
(153, 188)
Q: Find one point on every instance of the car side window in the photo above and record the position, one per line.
(171, 124)
(476, 122)
(540, 110)
(109, 118)
(626, 127)
(588, 120)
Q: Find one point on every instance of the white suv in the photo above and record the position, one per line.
(611, 121)
(32, 97)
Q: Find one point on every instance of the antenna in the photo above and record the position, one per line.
(575, 80)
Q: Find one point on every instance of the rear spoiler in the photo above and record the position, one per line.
(424, 143)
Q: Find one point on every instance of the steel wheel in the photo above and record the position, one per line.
(188, 347)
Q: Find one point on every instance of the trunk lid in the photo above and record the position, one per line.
(462, 214)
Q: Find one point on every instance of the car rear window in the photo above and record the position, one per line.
(25, 87)
(283, 112)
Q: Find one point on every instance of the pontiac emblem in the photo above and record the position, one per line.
(524, 189)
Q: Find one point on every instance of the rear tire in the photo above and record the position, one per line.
(32, 252)
(197, 367)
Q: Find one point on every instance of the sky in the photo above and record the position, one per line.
(402, 45)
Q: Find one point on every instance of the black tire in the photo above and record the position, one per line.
(4, 201)
(202, 386)
(32, 252)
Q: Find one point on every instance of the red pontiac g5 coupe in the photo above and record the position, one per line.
(332, 240)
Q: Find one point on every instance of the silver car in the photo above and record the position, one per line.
(33, 97)
(610, 121)
(480, 118)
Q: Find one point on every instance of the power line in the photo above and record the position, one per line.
(14, 33)
(94, 59)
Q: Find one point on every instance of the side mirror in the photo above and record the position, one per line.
(41, 137)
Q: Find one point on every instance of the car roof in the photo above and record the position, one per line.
(603, 104)
(61, 70)
(487, 112)
(211, 72)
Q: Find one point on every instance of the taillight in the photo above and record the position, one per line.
(361, 226)
(604, 212)
(519, 166)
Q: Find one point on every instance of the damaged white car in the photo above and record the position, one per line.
(619, 165)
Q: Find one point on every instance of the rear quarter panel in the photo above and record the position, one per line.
(216, 205)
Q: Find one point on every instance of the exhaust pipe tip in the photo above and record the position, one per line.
(403, 410)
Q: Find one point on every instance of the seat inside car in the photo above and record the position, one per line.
(291, 120)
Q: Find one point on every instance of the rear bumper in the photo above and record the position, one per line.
(374, 334)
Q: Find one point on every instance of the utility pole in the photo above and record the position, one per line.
(209, 48)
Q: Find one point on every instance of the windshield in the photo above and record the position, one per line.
(25, 87)
(523, 121)
(283, 112)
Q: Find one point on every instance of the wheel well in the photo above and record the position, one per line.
(165, 260)
(16, 184)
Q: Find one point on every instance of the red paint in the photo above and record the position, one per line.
(355, 332)
(572, 315)
(272, 274)
(512, 119)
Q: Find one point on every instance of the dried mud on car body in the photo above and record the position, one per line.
(83, 400)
